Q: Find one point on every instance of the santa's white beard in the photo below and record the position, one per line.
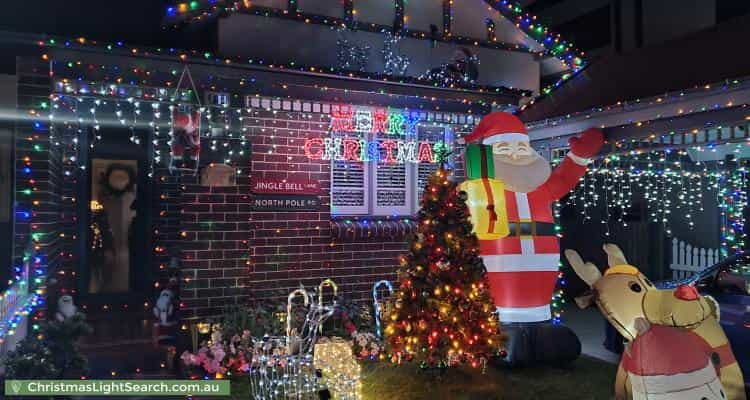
(522, 178)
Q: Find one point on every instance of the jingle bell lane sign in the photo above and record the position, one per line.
(271, 202)
(284, 186)
(285, 194)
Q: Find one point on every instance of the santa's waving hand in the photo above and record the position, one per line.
(523, 266)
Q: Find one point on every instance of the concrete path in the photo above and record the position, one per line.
(588, 324)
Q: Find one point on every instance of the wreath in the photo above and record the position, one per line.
(118, 179)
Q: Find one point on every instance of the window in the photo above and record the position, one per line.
(217, 99)
(380, 160)
(558, 154)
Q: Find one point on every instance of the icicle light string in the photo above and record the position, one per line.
(667, 182)
(227, 131)
(233, 144)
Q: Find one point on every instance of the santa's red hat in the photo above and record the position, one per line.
(498, 127)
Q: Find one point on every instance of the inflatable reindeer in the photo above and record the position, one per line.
(675, 346)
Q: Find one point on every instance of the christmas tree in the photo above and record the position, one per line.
(50, 353)
(443, 313)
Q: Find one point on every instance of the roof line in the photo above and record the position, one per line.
(180, 15)
(561, 49)
(204, 58)
(552, 43)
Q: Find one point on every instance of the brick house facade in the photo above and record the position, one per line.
(228, 252)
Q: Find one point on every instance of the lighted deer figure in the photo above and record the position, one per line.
(675, 346)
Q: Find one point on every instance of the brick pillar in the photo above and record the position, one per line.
(43, 189)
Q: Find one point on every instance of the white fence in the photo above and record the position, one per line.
(13, 314)
(687, 260)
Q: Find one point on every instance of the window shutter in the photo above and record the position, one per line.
(349, 185)
(431, 134)
(391, 189)
(392, 183)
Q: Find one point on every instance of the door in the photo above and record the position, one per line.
(115, 217)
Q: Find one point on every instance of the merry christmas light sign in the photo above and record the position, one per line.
(388, 151)
(392, 137)
(373, 120)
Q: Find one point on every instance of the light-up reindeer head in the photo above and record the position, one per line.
(624, 295)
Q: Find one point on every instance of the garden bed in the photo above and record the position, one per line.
(585, 379)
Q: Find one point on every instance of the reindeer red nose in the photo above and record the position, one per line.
(686, 292)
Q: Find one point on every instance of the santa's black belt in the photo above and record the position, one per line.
(531, 229)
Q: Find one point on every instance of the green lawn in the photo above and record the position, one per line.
(585, 379)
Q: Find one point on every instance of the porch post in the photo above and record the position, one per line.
(744, 245)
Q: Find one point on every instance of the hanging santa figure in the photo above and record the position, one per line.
(185, 136)
(511, 189)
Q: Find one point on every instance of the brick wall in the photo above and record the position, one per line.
(231, 253)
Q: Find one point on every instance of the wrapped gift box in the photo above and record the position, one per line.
(339, 367)
(487, 207)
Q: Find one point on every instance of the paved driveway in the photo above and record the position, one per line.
(588, 324)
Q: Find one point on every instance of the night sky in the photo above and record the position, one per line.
(132, 21)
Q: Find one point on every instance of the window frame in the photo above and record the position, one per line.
(413, 193)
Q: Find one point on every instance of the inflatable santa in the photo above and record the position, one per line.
(511, 189)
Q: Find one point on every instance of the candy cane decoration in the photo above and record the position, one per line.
(388, 285)
(330, 283)
(327, 282)
(292, 295)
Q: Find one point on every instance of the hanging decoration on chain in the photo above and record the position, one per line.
(462, 69)
(350, 55)
(395, 64)
(185, 142)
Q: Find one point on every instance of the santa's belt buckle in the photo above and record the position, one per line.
(531, 229)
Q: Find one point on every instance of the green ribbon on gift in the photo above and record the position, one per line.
(479, 162)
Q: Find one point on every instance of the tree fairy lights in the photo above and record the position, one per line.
(442, 313)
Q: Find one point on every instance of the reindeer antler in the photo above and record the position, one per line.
(585, 270)
(614, 255)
